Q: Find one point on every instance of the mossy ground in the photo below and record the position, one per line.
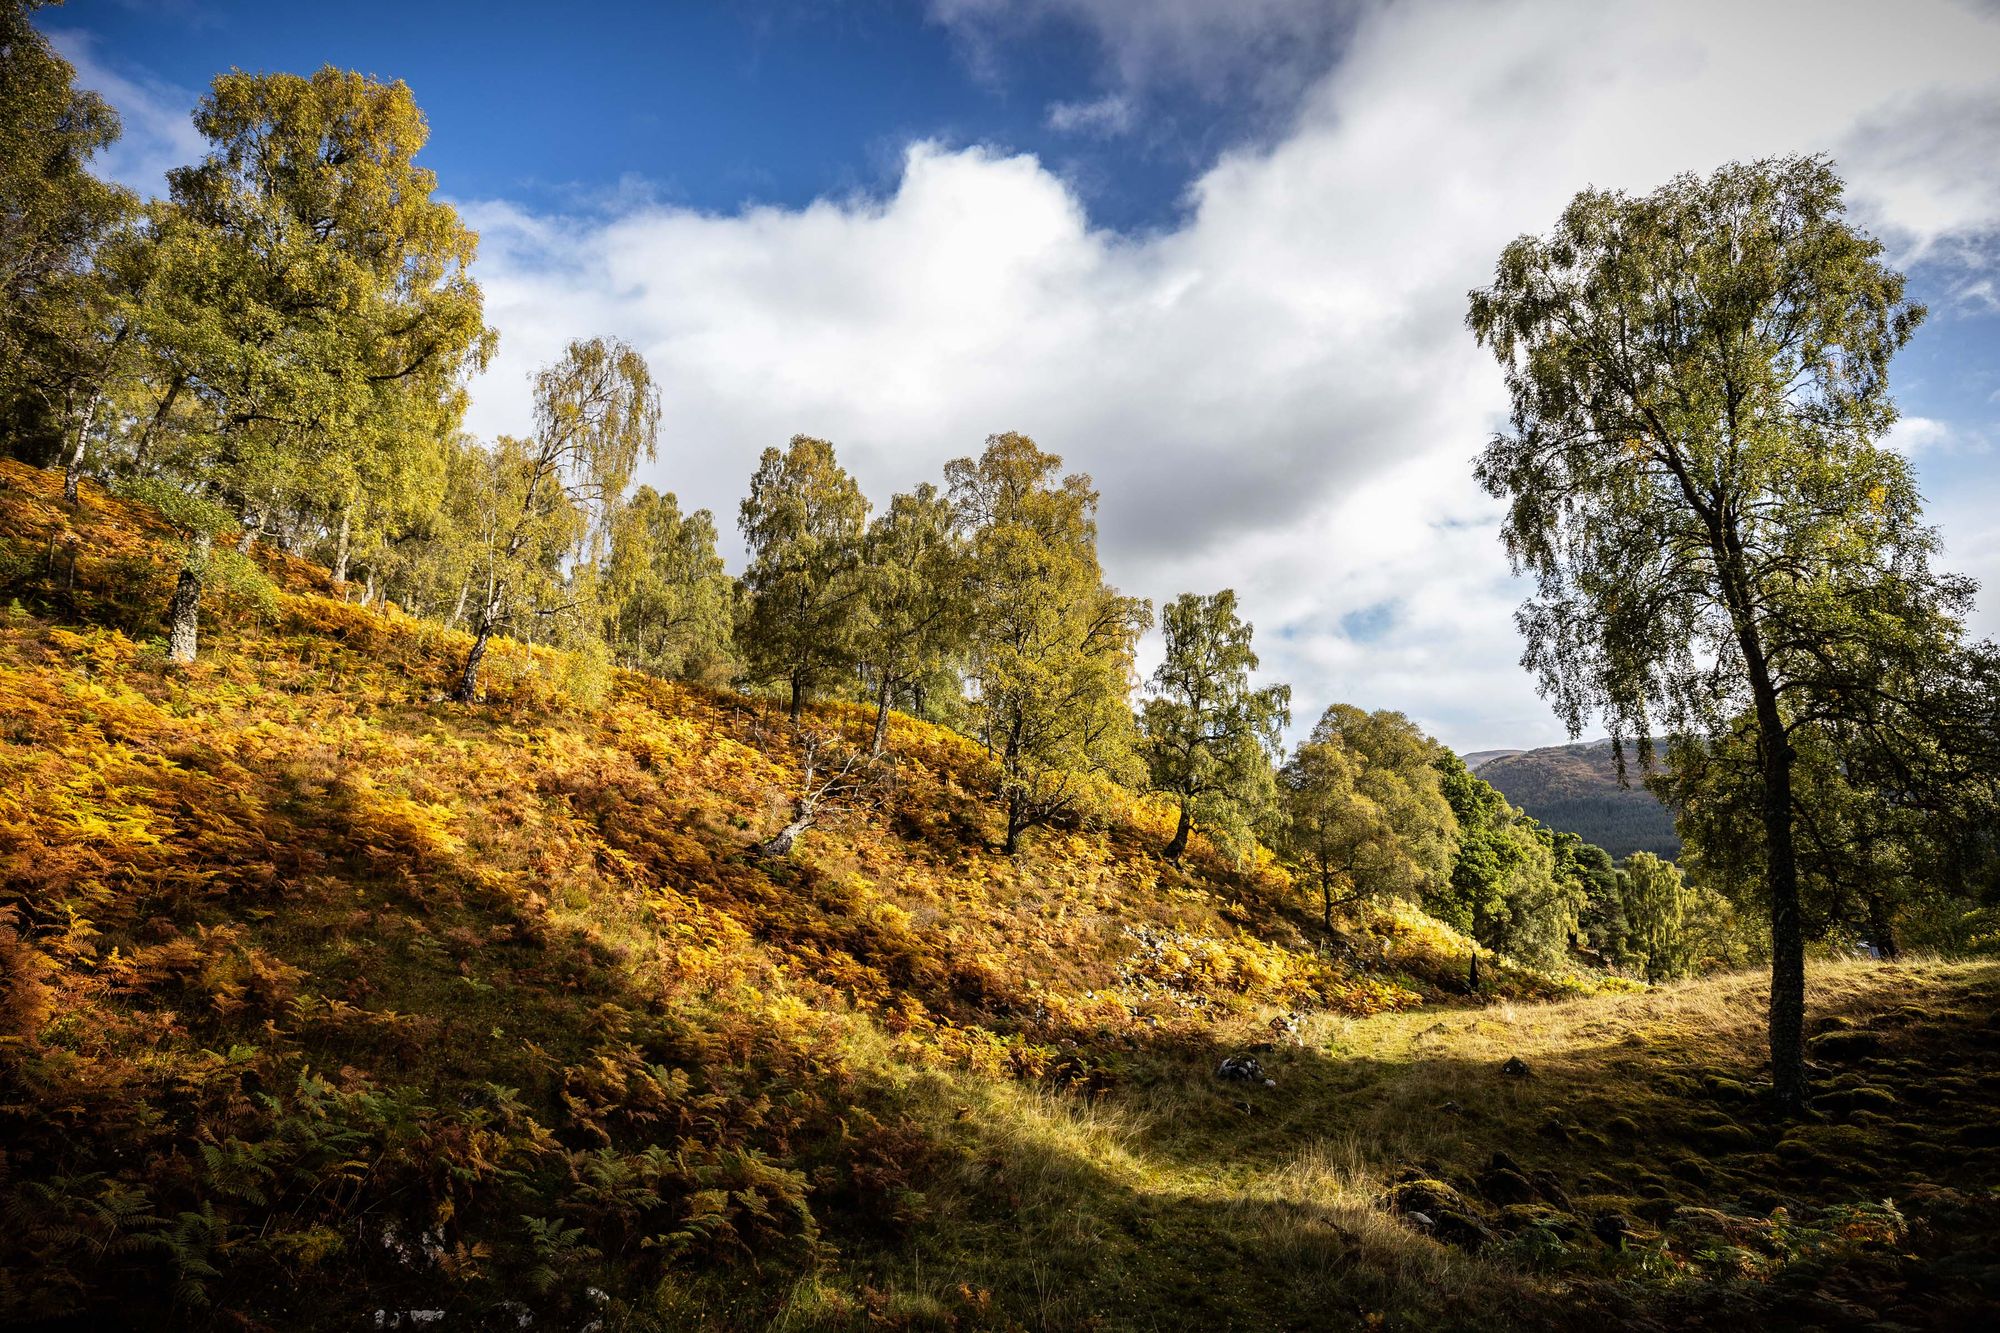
(320, 997)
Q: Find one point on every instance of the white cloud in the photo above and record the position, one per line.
(1277, 394)
(156, 116)
(1111, 114)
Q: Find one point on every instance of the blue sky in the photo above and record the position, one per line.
(1215, 254)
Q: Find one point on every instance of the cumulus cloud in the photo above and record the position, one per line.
(1276, 393)
(157, 125)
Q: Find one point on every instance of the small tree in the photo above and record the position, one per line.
(835, 778)
(915, 615)
(803, 590)
(1503, 888)
(1699, 379)
(1364, 808)
(1052, 644)
(1656, 905)
(1210, 737)
(596, 415)
(669, 603)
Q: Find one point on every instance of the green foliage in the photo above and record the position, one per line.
(670, 607)
(803, 592)
(1052, 643)
(539, 510)
(1365, 810)
(916, 613)
(54, 215)
(1209, 737)
(1694, 478)
(1503, 888)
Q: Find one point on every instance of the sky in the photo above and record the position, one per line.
(1213, 254)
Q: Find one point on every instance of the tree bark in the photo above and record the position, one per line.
(1472, 971)
(1013, 843)
(1781, 866)
(467, 689)
(1180, 839)
(780, 843)
(341, 546)
(1788, 944)
(798, 697)
(184, 611)
(73, 468)
(1326, 900)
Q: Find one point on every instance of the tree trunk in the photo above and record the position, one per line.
(798, 697)
(1326, 900)
(184, 611)
(458, 607)
(341, 546)
(1882, 926)
(780, 843)
(881, 716)
(73, 469)
(467, 689)
(1781, 866)
(1781, 873)
(1013, 843)
(1179, 842)
(1472, 970)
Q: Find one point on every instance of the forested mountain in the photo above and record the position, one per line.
(1575, 788)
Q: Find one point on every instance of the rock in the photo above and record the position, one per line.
(1506, 1186)
(1551, 1188)
(1515, 1067)
(1841, 1101)
(1421, 1221)
(1425, 1195)
(1691, 1169)
(1845, 1044)
(1500, 1161)
(1241, 1069)
(1655, 1210)
(1611, 1228)
(1462, 1229)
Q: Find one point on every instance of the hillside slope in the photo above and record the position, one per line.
(1575, 788)
(323, 1002)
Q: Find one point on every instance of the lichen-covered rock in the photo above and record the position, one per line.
(1240, 1069)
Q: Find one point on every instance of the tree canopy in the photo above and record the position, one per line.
(1051, 654)
(1695, 480)
(1209, 736)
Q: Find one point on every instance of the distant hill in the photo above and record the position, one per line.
(1575, 788)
